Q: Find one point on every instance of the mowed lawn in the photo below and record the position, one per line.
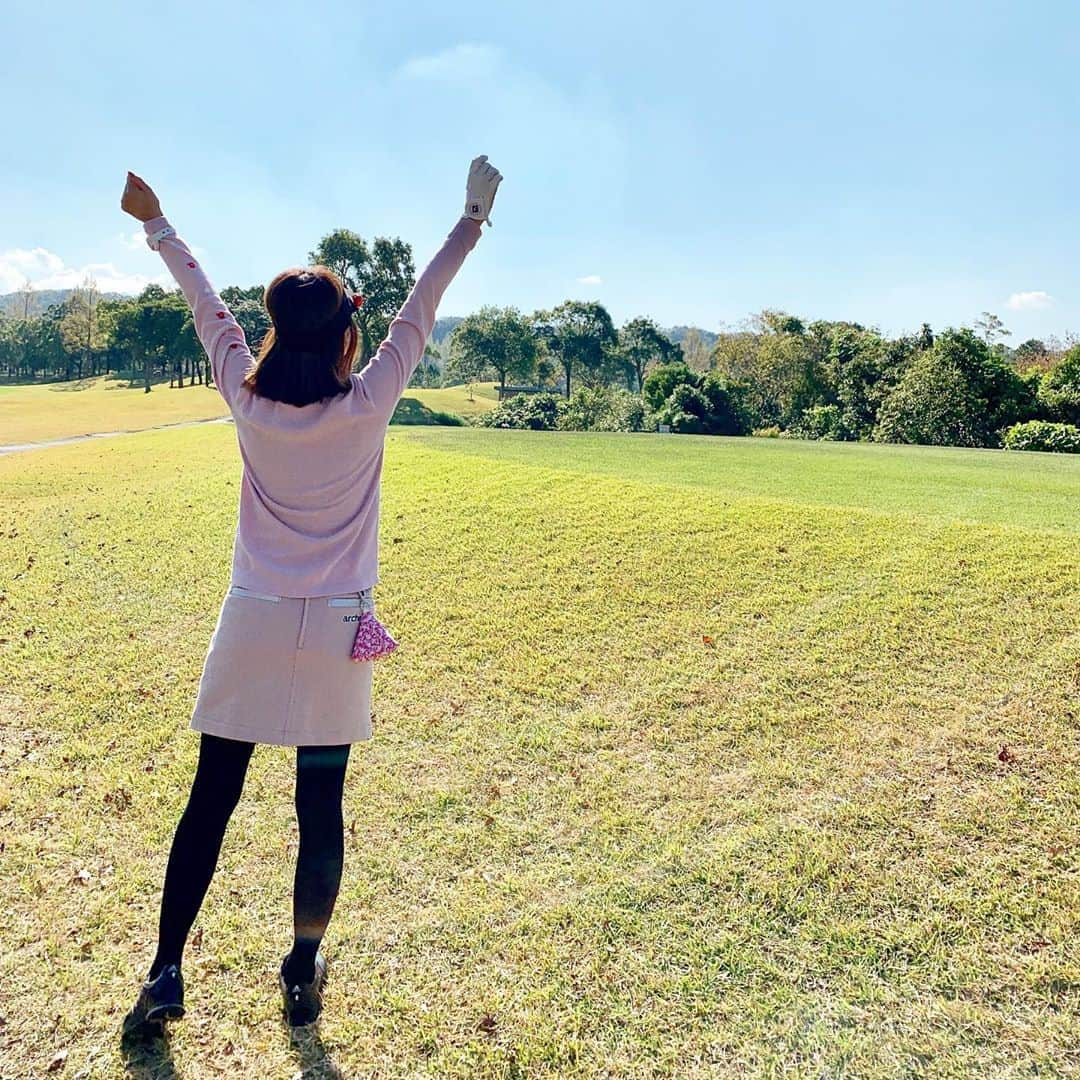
(59, 410)
(40, 412)
(458, 399)
(699, 758)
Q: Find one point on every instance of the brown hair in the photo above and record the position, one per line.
(308, 352)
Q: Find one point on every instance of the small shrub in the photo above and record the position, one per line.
(684, 411)
(1042, 435)
(822, 422)
(602, 409)
(767, 432)
(534, 412)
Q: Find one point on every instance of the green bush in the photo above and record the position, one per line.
(410, 411)
(535, 412)
(822, 422)
(602, 409)
(662, 380)
(693, 404)
(1041, 435)
(683, 410)
(1059, 389)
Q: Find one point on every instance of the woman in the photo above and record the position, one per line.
(290, 661)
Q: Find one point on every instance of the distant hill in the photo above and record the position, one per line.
(443, 327)
(40, 301)
(677, 333)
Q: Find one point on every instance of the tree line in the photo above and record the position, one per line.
(778, 374)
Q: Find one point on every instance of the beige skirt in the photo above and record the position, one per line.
(279, 671)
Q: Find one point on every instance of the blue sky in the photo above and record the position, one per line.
(885, 162)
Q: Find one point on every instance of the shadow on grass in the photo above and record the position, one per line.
(411, 411)
(148, 1056)
(315, 1062)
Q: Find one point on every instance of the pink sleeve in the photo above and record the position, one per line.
(386, 375)
(215, 326)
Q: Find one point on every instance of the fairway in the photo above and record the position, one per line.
(700, 757)
(38, 413)
(457, 399)
(30, 413)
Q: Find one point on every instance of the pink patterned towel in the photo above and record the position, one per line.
(373, 640)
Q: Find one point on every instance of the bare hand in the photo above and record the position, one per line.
(139, 199)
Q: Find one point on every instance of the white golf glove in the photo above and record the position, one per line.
(480, 189)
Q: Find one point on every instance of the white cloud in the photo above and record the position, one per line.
(46, 270)
(135, 241)
(460, 62)
(1029, 301)
(591, 279)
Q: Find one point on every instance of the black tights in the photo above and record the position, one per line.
(215, 791)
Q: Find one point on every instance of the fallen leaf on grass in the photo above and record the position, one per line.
(57, 1062)
(706, 640)
(1006, 756)
(487, 1025)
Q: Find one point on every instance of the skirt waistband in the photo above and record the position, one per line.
(360, 598)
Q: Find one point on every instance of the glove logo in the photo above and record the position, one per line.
(475, 208)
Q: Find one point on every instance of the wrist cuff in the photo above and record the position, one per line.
(154, 239)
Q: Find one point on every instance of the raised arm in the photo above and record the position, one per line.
(215, 326)
(387, 374)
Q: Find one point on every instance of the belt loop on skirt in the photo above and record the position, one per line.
(303, 625)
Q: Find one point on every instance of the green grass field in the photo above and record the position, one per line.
(458, 399)
(38, 413)
(700, 757)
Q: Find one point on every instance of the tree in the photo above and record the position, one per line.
(496, 338)
(465, 366)
(82, 334)
(641, 343)
(662, 380)
(991, 327)
(858, 369)
(1059, 389)
(956, 394)
(780, 322)
(42, 341)
(579, 336)
(383, 273)
(149, 329)
(1032, 353)
(926, 337)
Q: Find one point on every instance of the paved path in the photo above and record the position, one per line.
(14, 448)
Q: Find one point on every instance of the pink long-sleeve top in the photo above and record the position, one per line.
(309, 494)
